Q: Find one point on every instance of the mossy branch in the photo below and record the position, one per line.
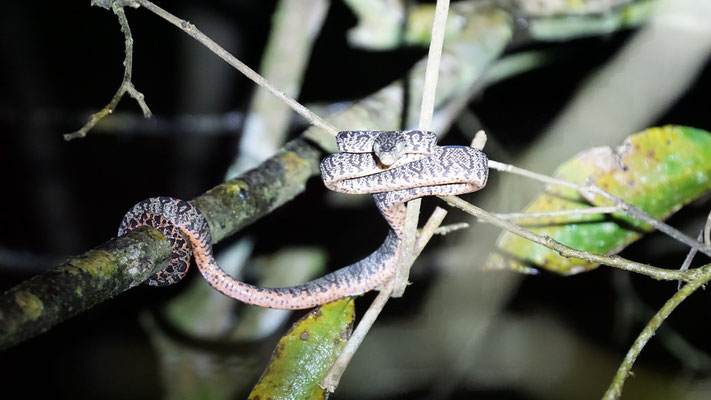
(36, 305)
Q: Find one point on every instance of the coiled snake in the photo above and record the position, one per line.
(394, 166)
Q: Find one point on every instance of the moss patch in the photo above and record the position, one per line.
(236, 186)
(30, 304)
(96, 263)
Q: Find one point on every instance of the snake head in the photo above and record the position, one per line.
(389, 146)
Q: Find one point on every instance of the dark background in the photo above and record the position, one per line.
(62, 61)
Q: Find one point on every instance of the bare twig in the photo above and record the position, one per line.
(615, 389)
(499, 166)
(334, 374)
(703, 235)
(426, 112)
(639, 214)
(690, 256)
(707, 231)
(559, 213)
(479, 140)
(330, 381)
(447, 229)
(569, 252)
(433, 59)
(407, 250)
(196, 34)
(430, 229)
(126, 84)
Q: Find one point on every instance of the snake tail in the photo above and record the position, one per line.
(188, 232)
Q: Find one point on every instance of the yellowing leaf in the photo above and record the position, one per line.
(659, 170)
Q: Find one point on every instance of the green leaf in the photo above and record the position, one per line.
(659, 170)
(305, 353)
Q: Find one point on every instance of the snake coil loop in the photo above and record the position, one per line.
(394, 166)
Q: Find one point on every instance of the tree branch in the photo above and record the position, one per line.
(34, 306)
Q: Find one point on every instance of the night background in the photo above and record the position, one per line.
(460, 331)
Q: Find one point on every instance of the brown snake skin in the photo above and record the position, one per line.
(415, 167)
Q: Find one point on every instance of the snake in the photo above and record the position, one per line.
(393, 166)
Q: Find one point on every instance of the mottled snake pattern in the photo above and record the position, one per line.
(394, 166)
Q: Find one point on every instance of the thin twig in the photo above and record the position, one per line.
(333, 377)
(703, 235)
(499, 166)
(559, 213)
(126, 84)
(426, 112)
(295, 28)
(334, 374)
(591, 188)
(430, 229)
(407, 249)
(707, 231)
(196, 34)
(690, 256)
(569, 252)
(447, 229)
(432, 70)
(639, 214)
(479, 140)
(615, 389)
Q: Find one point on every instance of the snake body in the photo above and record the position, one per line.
(394, 166)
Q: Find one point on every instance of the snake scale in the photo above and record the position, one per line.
(393, 166)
